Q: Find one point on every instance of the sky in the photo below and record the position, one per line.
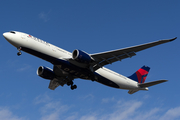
(92, 26)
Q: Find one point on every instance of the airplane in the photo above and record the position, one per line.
(68, 66)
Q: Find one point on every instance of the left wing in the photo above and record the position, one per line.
(109, 57)
(53, 84)
(60, 79)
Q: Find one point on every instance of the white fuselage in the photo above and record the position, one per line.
(37, 45)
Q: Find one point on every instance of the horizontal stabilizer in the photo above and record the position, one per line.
(132, 91)
(148, 84)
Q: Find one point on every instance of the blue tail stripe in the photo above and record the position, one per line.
(143, 77)
(134, 77)
(146, 68)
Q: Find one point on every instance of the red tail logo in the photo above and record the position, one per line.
(140, 75)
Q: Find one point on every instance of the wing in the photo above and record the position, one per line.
(61, 78)
(109, 57)
(53, 84)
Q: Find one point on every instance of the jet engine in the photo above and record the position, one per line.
(81, 56)
(45, 73)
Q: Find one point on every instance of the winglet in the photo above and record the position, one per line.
(167, 40)
(172, 39)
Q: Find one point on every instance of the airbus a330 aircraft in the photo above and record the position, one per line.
(79, 64)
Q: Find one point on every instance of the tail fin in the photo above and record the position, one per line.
(140, 75)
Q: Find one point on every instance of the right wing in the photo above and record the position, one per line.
(109, 57)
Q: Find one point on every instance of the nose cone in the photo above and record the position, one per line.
(6, 35)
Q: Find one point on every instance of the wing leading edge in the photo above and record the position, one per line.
(109, 57)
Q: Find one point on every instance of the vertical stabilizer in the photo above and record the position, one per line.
(140, 75)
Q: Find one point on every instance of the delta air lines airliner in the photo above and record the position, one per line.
(68, 66)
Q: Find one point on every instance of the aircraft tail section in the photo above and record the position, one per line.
(132, 91)
(148, 84)
(143, 86)
(140, 75)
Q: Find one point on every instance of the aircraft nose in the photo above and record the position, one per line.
(5, 35)
(12, 38)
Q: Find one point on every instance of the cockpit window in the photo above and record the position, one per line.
(12, 32)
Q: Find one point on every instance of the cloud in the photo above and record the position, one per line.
(88, 117)
(119, 110)
(108, 109)
(44, 16)
(130, 110)
(107, 100)
(6, 114)
(89, 96)
(53, 110)
(171, 114)
(42, 99)
(24, 68)
(124, 110)
(50, 109)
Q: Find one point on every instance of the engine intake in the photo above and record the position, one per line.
(81, 56)
(45, 73)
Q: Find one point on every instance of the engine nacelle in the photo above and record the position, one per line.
(45, 73)
(81, 56)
